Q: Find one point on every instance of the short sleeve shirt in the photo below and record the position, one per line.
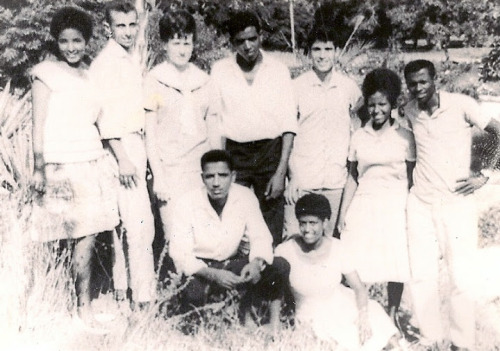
(444, 141)
(69, 133)
(381, 157)
(319, 155)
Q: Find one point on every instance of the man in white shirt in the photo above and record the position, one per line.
(254, 103)
(442, 213)
(327, 102)
(117, 73)
(206, 230)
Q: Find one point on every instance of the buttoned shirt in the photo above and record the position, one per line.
(443, 142)
(319, 155)
(197, 232)
(261, 110)
(381, 157)
(118, 76)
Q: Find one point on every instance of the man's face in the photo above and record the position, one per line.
(217, 178)
(124, 28)
(247, 44)
(322, 54)
(311, 229)
(421, 86)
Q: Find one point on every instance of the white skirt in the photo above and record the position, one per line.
(375, 235)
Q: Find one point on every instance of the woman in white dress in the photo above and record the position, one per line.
(372, 217)
(73, 178)
(345, 317)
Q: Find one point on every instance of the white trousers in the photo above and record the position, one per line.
(134, 263)
(443, 232)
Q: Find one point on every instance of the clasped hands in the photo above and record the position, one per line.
(228, 280)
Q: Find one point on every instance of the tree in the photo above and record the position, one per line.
(25, 39)
(439, 20)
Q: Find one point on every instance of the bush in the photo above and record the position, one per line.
(490, 65)
(25, 40)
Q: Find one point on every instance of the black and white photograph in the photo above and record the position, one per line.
(197, 175)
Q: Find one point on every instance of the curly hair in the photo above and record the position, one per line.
(241, 20)
(74, 18)
(382, 80)
(417, 65)
(179, 23)
(313, 205)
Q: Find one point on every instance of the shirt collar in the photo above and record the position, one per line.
(208, 206)
(116, 50)
(167, 74)
(369, 128)
(313, 79)
(444, 104)
(264, 63)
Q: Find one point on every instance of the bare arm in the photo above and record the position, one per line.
(467, 186)
(410, 166)
(226, 279)
(276, 185)
(40, 93)
(153, 155)
(128, 172)
(359, 288)
(349, 190)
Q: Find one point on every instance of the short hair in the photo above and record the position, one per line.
(118, 6)
(214, 156)
(179, 23)
(319, 33)
(241, 20)
(313, 205)
(417, 65)
(74, 18)
(382, 80)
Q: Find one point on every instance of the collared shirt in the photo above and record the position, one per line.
(196, 231)
(320, 149)
(381, 157)
(69, 132)
(181, 105)
(443, 142)
(261, 110)
(118, 76)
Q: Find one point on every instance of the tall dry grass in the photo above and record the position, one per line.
(37, 297)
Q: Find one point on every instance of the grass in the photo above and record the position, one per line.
(37, 297)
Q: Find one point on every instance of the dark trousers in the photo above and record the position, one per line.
(269, 287)
(255, 163)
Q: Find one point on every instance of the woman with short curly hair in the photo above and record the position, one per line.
(73, 178)
(373, 213)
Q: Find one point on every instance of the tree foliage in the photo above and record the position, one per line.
(490, 65)
(25, 39)
(439, 20)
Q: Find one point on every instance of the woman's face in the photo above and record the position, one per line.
(179, 50)
(311, 229)
(379, 108)
(71, 45)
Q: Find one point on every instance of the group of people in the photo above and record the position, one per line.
(257, 176)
